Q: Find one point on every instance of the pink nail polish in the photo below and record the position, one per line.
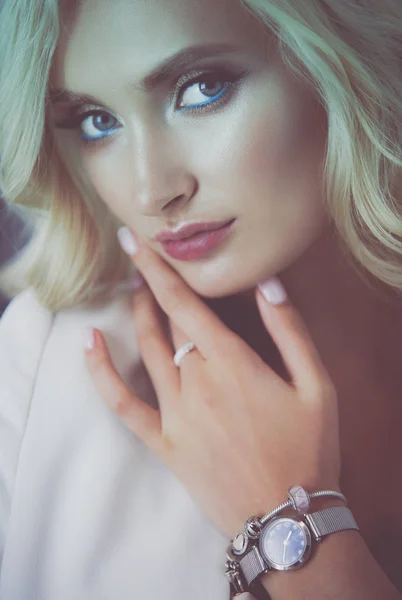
(88, 337)
(127, 241)
(273, 291)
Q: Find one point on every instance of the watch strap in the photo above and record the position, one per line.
(252, 565)
(321, 523)
(330, 520)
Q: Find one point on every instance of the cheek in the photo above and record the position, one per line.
(102, 171)
(111, 180)
(286, 150)
(280, 172)
(279, 177)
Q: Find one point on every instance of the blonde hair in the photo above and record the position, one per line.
(348, 51)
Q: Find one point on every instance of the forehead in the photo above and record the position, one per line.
(118, 40)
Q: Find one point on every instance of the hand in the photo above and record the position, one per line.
(234, 432)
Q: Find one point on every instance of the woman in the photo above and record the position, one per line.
(279, 122)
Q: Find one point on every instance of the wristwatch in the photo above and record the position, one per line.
(283, 543)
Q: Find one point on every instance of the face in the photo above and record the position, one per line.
(230, 134)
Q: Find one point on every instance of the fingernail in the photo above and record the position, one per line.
(273, 291)
(88, 337)
(127, 240)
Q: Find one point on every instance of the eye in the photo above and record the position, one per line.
(207, 88)
(94, 126)
(96, 122)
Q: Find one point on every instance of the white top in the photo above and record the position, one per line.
(87, 512)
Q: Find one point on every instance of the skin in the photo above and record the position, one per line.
(259, 158)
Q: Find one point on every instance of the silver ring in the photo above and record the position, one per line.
(187, 347)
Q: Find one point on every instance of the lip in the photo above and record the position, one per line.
(198, 245)
(187, 231)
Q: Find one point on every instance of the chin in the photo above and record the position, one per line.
(221, 289)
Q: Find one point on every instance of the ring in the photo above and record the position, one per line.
(187, 347)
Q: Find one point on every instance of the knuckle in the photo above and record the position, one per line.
(322, 390)
(211, 403)
(296, 324)
(167, 442)
(297, 327)
(121, 402)
(146, 332)
(327, 388)
(229, 347)
(174, 301)
(98, 363)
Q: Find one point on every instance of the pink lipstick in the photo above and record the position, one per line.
(199, 244)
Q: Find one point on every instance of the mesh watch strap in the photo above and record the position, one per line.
(330, 520)
(321, 523)
(252, 565)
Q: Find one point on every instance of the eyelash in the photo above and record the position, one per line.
(224, 75)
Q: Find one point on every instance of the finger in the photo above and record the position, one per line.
(154, 346)
(191, 363)
(141, 419)
(180, 303)
(177, 336)
(290, 334)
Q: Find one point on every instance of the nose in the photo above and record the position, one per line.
(163, 183)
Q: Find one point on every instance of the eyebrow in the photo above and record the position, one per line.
(163, 72)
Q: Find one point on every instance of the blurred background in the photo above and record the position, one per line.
(14, 234)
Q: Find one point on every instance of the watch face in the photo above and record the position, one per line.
(285, 543)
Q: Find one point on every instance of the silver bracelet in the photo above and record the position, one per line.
(298, 499)
(291, 503)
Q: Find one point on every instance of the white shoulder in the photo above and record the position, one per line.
(24, 329)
